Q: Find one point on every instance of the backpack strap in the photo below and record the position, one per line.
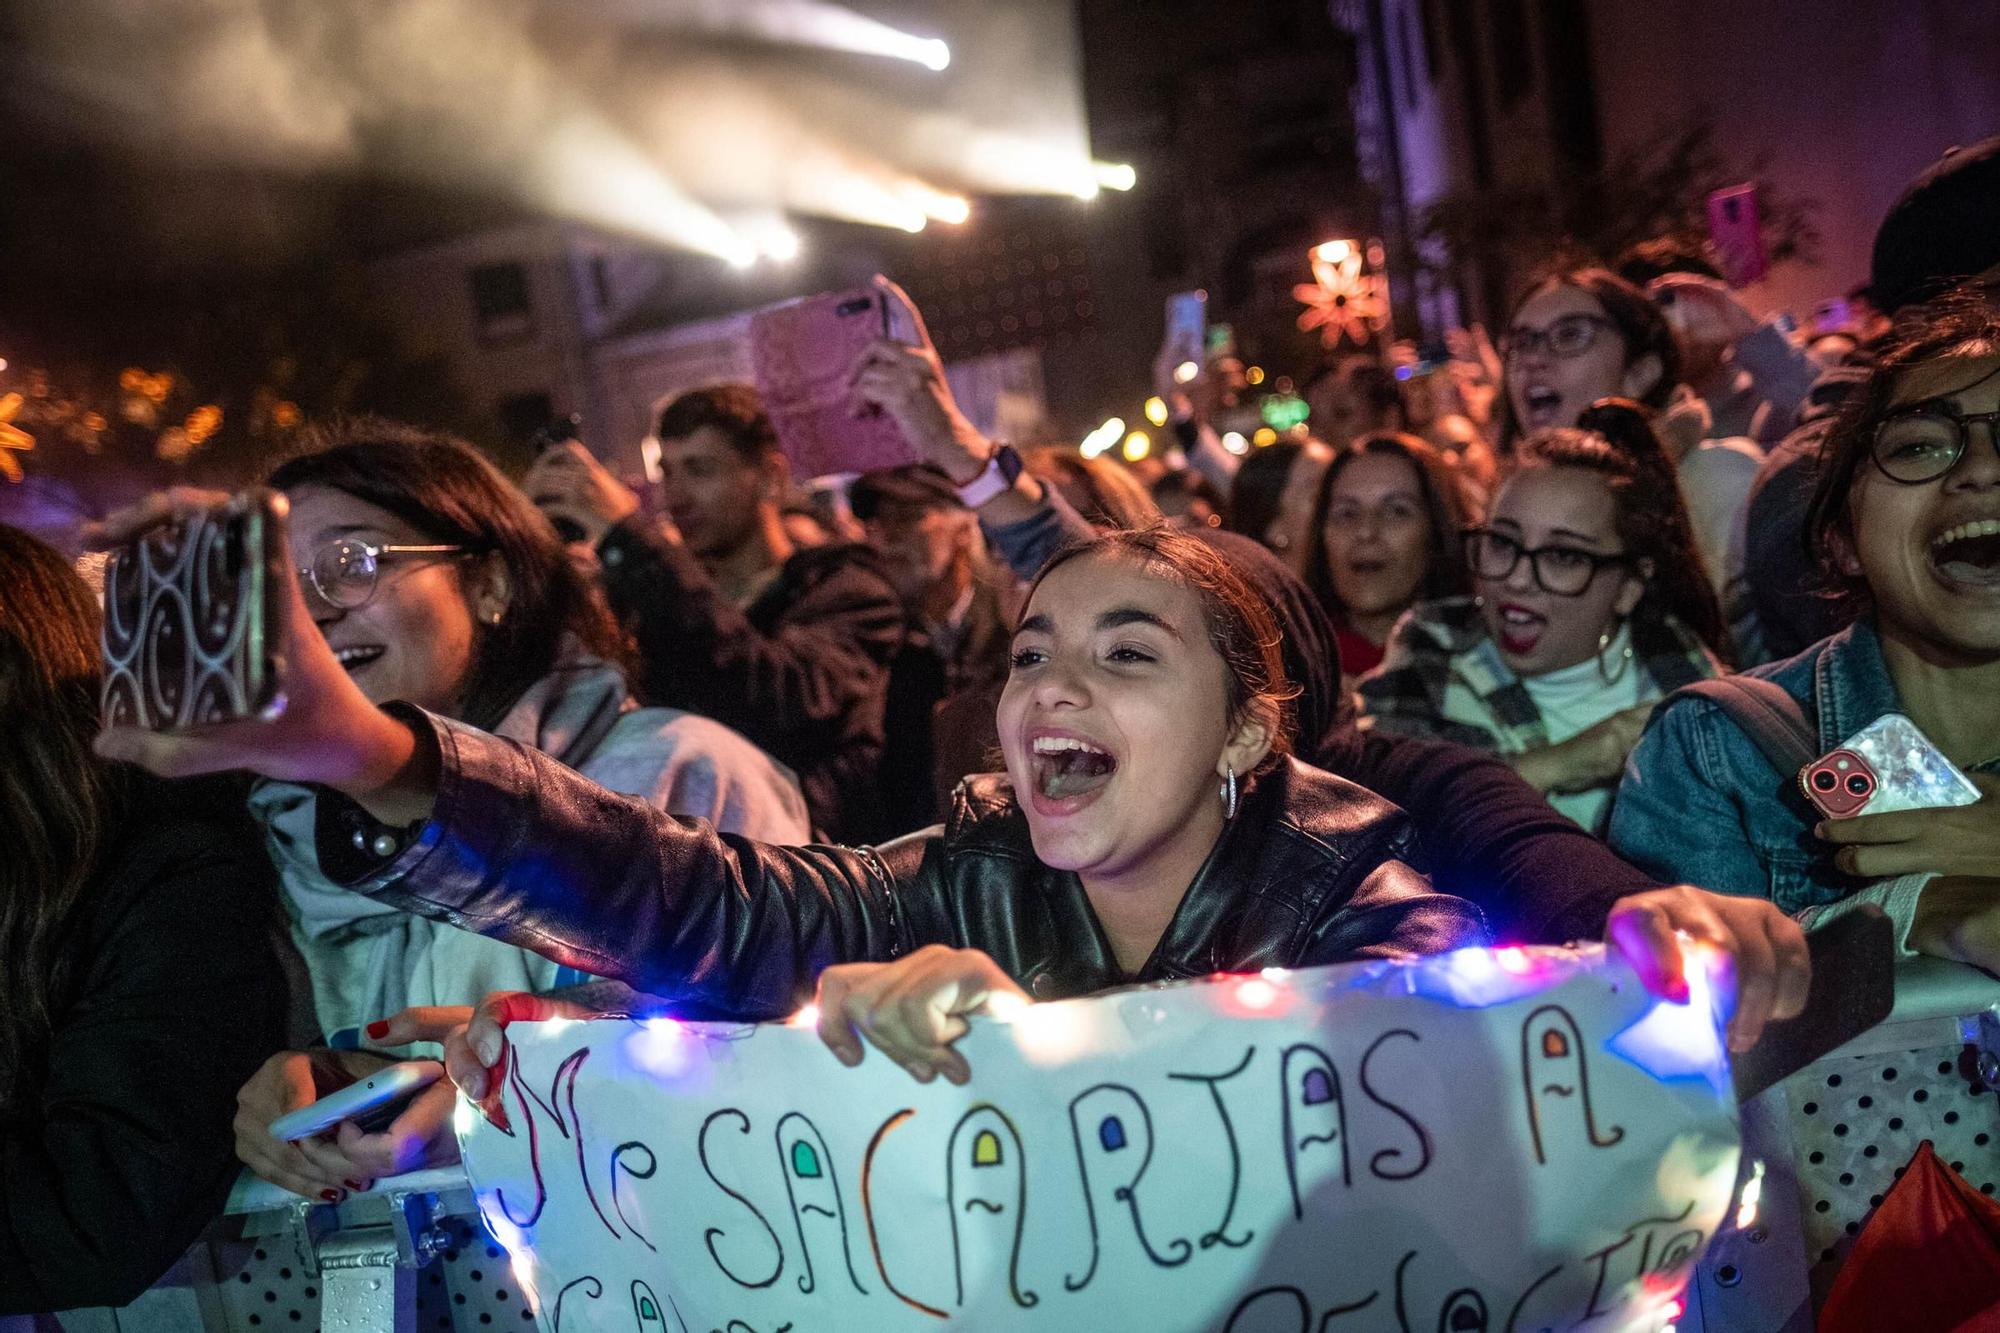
(1768, 715)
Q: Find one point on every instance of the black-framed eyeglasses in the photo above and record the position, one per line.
(1564, 571)
(345, 572)
(1923, 443)
(1572, 335)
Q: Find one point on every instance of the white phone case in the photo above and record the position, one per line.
(378, 1089)
(1910, 773)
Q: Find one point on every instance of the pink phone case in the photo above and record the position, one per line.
(1737, 229)
(801, 352)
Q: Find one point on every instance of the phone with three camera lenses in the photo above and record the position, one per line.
(192, 613)
(1887, 765)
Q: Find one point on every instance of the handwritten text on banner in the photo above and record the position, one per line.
(1510, 1139)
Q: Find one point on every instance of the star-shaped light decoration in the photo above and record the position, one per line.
(12, 438)
(1343, 302)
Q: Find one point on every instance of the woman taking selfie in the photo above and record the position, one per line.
(1906, 522)
(1145, 735)
(1386, 534)
(435, 581)
(132, 916)
(1590, 606)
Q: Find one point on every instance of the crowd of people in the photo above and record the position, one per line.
(1483, 653)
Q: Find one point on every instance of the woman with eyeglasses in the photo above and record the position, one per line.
(436, 582)
(1585, 334)
(1905, 520)
(1590, 605)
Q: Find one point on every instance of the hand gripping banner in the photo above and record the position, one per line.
(1480, 1142)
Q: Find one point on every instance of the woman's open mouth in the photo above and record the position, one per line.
(1520, 629)
(1544, 407)
(358, 656)
(1068, 772)
(1968, 554)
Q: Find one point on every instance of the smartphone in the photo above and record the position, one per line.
(372, 1104)
(1853, 988)
(1737, 231)
(1187, 326)
(560, 431)
(192, 613)
(1887, 765)
(801, 352)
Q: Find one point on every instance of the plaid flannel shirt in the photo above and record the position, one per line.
(1437, 643)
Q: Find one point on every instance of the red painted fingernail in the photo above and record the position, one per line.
(379, 1029)
(331, 1196)
(354, 1185)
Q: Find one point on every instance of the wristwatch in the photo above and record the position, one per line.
(1002, 470)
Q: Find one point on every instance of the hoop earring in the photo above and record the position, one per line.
(1624, 660)
(1229, 796)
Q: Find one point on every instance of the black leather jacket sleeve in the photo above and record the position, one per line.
(1392, 914)
(523, 849)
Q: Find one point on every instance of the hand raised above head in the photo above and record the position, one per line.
(567, 482)
(907, 381)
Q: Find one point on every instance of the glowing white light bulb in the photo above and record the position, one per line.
(1114, 175)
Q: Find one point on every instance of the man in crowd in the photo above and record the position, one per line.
(936, 556)
(789, 645)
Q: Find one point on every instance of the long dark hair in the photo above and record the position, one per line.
(447, 491)
(1258, 486)
(1444, 505)
(1240, 625)
(1634, 314)
(1964, 323)
(57, 798)
(1615, 440)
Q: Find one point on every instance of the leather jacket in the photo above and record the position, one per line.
(1310, 871)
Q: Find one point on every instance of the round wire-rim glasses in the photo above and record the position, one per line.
(346, 572)
(1921, 444)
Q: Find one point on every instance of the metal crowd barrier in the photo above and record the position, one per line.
(410, 1254)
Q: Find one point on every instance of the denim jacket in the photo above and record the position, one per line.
(1701, 805)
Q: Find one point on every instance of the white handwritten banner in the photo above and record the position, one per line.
(1484, 1141)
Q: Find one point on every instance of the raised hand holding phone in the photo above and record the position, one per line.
(906, 382)
(803, 354)
(324, 731)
